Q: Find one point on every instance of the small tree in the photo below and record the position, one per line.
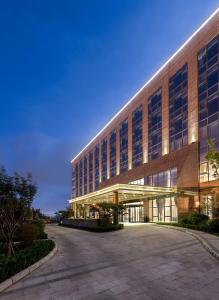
(213, 158)
(107, 208)
(16, 196)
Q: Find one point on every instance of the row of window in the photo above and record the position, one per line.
(208, 96)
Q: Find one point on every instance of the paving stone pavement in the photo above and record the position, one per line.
(140, 262)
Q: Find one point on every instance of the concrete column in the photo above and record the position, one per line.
(165, 115)
(116, 197)
(130, 141)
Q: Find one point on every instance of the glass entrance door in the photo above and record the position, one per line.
(133, 214)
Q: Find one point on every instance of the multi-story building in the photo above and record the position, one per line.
(151, 154)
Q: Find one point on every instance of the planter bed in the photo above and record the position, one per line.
(90, 225)
(25, 255)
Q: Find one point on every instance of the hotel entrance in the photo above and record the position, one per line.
(163, 209)
(132, 214)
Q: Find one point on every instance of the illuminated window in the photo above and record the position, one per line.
(85, 175)
(137, 137)
(178, 109)
(104, 159)
(123, 131)
(155, 126)
(96, 165)
(113, 153)
(91, 171)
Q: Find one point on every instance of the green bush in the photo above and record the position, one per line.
(194, 219)
(40, 225)
(24, 257)
(214, 225)
(27, 233)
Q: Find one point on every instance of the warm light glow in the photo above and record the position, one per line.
(145, 157)
(149, 81)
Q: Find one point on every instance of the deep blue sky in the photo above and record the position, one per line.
(67, 67)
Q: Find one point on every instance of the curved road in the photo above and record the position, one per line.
(139, 262)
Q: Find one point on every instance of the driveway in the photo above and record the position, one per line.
(139, 262)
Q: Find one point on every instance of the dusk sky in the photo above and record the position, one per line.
(68, 66)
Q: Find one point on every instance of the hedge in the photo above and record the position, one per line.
(23, 258)
(107, 228)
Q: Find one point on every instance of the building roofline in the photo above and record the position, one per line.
(149, 80)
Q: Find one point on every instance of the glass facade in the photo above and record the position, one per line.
(104, 159)
(113, 153)
(85, 175)
(208, 96)
(137, 137)
(155, 125)
(163, 179)
(178, 109)
(123, 132)
(163, 210)
(96, 165)
(91, 171)
(80, 177)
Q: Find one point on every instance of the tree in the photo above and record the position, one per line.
(213, 158)
(110, 208)
(16, 197)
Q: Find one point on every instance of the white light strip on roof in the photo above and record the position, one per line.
(139, 91)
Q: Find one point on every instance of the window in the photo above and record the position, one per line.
(113, 153)
(73, 192)
(85, 175)
(96, 165)
(137, 137)
(91, 171)
(163, 179)
(76, 181)
(208, 96)
(178, 109)
(154, 126)
(80, 177)
(123, 132)
(104, 159)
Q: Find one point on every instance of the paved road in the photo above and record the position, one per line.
(139, 262)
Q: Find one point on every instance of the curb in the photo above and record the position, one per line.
(15, 278)
(214, 252)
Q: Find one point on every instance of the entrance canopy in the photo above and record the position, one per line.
(125, 192)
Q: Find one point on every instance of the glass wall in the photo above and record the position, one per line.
(91, 171)
(96, 165)
(113, 153)
(104, 159)
(208, 96)
(137, 137)
(178, 109)
(163, 179)
(163, 209)
(80, 177)
(155, 125)
(123, 132)
(85, 175)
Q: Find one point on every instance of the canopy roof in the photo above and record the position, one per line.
(126, 192)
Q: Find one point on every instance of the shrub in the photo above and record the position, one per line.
(24, 257)
(27, 233)
(214, 225)
(194, 218)
(40, 225)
